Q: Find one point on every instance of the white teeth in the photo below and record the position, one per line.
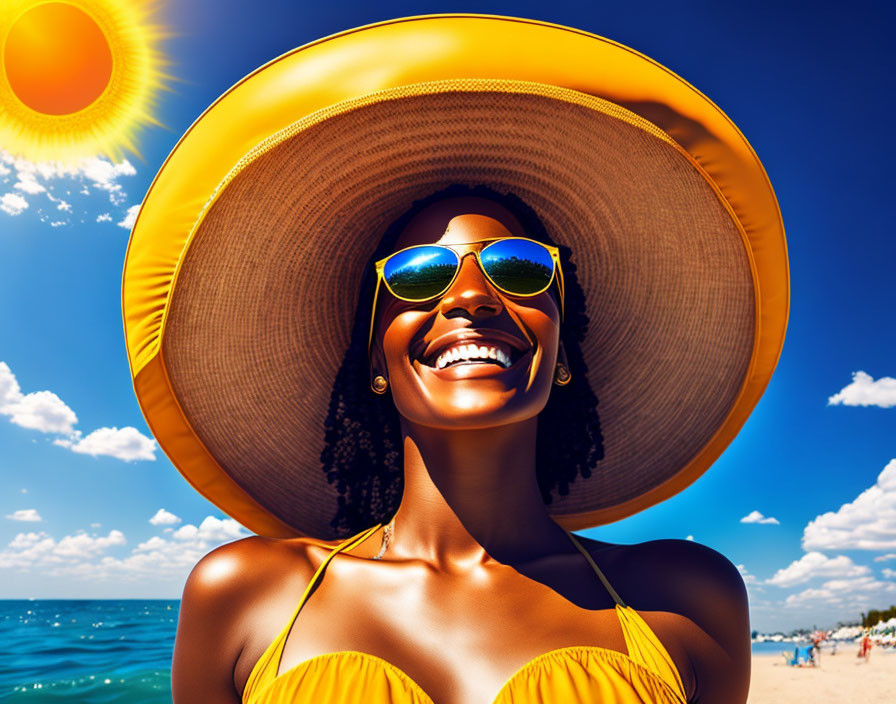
(472, 352)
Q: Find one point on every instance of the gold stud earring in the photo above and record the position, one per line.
(561, 375)
(380, 384)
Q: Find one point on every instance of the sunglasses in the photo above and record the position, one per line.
(516, 266)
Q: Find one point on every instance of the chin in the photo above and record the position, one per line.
(471, 409)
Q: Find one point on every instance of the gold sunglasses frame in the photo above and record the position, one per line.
(471, 248)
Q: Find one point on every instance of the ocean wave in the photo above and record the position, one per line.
(102, 652)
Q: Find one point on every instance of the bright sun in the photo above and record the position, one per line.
(79, 76)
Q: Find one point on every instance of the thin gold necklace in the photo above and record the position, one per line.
(387, 538)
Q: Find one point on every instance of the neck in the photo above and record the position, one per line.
(472, 495)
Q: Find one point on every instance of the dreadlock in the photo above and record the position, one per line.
(362, 452)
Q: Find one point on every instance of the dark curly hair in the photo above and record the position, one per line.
(362, 453)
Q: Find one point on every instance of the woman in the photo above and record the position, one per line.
(450, 465)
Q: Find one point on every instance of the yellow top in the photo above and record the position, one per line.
(583, 674)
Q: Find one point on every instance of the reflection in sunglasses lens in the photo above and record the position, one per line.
(420, 272)
(518, 266)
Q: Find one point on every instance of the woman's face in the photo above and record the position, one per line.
(410, 338)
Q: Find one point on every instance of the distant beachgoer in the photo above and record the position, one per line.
(865, 648)
(817, 639)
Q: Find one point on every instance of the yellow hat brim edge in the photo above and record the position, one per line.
(417, 50)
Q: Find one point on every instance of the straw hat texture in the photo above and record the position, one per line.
(243, 269)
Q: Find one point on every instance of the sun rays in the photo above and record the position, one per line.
(79, 77)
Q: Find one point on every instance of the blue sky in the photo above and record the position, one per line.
(809, 89)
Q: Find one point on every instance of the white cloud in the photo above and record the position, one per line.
(39, 410)
(28, 184)
(211, 530)
(104, 175)
(849, 595)
(43, 411)
(888, 573)
(126, 444)
(130, 217)
(164, 518)
(746, 575)
(690, 537)
(39, 550)
(867, 523)
(46, 412)
(84, 557)
(815, 564)
(58, 223)
(884, 558)
(865, 391)
(10, 391)
(756, 517)
(104, 217)
(82, 545)
(25, 514)
(13, 204)
(35, 178)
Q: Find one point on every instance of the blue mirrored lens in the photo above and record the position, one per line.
(421, 272)
(518, 266)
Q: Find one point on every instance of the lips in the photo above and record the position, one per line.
(473, 347)
(479, 352)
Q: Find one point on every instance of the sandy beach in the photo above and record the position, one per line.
(842, 678)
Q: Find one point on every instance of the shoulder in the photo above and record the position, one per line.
(692, 575)
(245, 566)
(233, 600)
(698, 596)
(233, 580)
(685, 570)
(679, 576)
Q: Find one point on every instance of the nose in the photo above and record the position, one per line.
(470, 293)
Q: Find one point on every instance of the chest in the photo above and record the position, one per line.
(459, 637)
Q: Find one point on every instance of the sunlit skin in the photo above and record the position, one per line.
(466, 396)
(478, 579)
(56, 58)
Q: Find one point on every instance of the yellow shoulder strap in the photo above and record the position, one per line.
(642, 644)
(265, 670)
(647, 650)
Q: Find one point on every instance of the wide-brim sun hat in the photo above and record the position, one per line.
(243, 269)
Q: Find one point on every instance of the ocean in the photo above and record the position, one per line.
(102, 652)
(91, 652)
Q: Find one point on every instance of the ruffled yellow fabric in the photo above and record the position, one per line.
(581, 674)
(346, 678)
(585, 675)
(645, 648)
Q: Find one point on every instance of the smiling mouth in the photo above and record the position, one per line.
(475, 352)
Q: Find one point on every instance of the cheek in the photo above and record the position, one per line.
(404, 328)
(409, 394)
(539, 323)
